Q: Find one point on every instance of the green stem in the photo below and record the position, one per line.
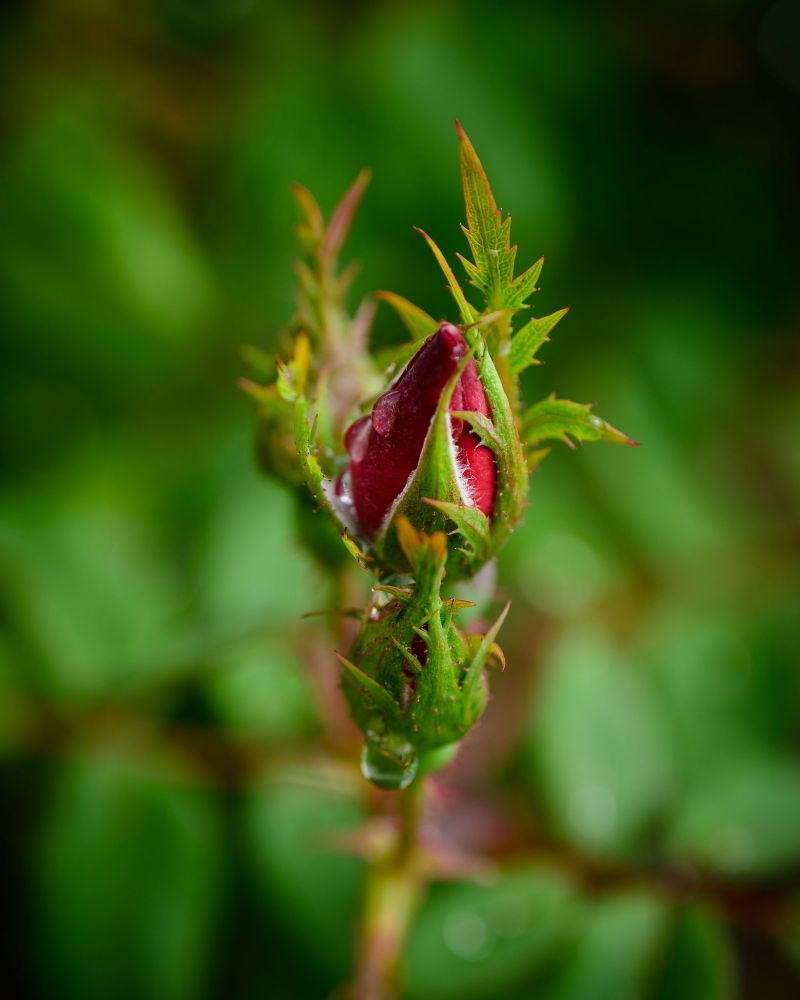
(500, 358)
(394, 889)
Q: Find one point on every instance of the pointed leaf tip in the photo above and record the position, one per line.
(344, 213)
(418, 323)
(563, 419)
(466, 310)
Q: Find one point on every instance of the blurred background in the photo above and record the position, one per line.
(174, 764)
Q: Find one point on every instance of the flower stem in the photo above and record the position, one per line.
(395, 886)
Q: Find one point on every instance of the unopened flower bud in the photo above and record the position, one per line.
(385, 446)
(414, 682)
(430, 450)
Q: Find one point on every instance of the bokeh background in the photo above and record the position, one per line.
(174, 765)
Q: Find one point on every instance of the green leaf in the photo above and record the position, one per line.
(468, 314)
(260, 687)
(613, 952)
(476, 941)
(591, 709)
(489, 236)
(128, 880)
(561, 419)
(307, 885)
(418, 323)
(527, 341)
(253, 568)
(698, 964)
(523, 286)
(742, 819)
(91, 596)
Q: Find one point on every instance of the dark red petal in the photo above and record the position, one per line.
(385, 447)
(476, 460)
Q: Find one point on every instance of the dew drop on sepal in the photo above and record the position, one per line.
(388, 762)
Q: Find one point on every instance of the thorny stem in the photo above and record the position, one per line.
(394, 889)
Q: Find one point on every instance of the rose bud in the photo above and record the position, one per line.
(413, 681)
(429, 450)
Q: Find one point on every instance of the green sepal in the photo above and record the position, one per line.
(468, 312)
(472, 524)
(418, 323)
(417, 703)
(482, 426)
(512, 472)
(377, 697)
(314, 478)
(529, 338)
(563, 420)
(474, 670)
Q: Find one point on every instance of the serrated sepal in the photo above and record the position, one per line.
(412, 679)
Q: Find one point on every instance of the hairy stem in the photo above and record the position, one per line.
(394, 889)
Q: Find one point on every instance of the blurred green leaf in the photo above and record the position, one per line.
(474, 941)
(97, 266)
(254, 568)
(613, 950)
(741, 819)
(263, 688)
(292, 822)
(655, 492)
(91, 596)
(698, 964)
(597, 743)
(723, 688)
(127, 878)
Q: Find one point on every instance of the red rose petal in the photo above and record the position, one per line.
(385, 447)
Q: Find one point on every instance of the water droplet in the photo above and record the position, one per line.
(344, 492)
(384, 412)
(595, 421)
(388, 762)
